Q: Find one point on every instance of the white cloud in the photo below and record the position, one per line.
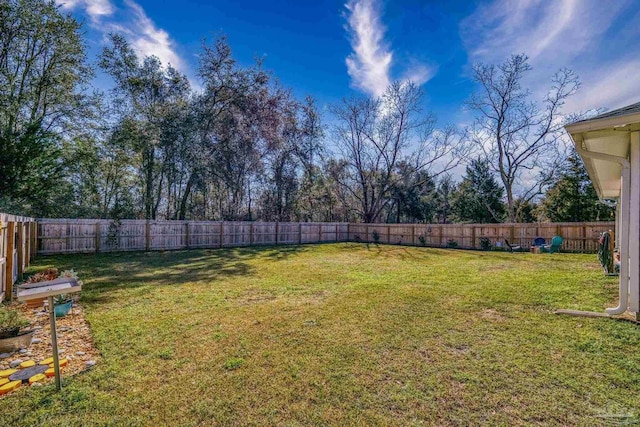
(133, 22)
(369, 65)
(96, 9)
(147, 39)
(555, 34)
(612, 85)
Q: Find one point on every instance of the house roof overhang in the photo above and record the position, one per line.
(606, 134)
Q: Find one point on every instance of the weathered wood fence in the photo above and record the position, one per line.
(56, 236)
(18, 242)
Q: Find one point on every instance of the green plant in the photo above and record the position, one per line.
(233, 363)
(113, 234)
(11, 321)
(485, 244)
(452, 243)
(376, 236)
(423, 240)
(61, 299)
(71, 274)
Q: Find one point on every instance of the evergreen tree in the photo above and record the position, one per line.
(478, 198)
(444, 199)
(572, 197)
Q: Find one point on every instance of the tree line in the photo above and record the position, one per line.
(242, 147)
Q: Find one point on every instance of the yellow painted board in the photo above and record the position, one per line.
(47, 361)
(10, 387)
(7, 373)
(36, 378)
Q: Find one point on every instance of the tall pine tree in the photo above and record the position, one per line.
(478, 198)
(572, 197)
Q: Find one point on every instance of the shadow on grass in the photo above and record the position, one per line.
(108, 272)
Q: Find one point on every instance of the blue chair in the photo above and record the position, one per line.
(556, 242)
(539, 241)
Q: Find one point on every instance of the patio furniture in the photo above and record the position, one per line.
(556, 242)
(539, 241)
(513, 248)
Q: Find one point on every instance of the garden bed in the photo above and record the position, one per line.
(75, 342)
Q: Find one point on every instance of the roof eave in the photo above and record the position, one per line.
(604, 123)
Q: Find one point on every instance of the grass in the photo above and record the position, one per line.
(343, 334)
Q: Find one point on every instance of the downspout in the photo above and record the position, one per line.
(625, 193)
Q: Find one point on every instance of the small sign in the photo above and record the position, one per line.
(65, 285)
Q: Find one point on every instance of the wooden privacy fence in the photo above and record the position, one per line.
(18, 242)
(83, 235)
(58, 236)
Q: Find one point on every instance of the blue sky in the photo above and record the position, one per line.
(331, 49)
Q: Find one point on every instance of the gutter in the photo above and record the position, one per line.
(625, 199)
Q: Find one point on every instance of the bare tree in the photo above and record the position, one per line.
(519, 138)
(374, 135)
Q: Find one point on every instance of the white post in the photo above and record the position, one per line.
(634, 225)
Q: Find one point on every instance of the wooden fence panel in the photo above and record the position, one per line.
(15, 251)
(81, 236)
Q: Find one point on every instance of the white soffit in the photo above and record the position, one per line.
(606, 174)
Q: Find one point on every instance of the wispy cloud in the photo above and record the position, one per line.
(133, 22)
(147, 39)
(369, 65)
(96, 9)
(554, 34)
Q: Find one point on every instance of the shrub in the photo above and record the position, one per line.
(11, 322)
(452, 243)
(376, 236)
(485, 244)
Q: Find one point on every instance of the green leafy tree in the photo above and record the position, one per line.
(146, 91)
(572, 196)
(479, 197)
(43, 82)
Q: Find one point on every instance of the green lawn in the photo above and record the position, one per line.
(343, 334)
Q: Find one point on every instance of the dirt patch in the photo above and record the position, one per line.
(491, 314)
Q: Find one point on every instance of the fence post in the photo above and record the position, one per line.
(473, 236)
(11, 235)
(388, 234)
(251, 234)
(35, 240)
(277, 232)
(20, 248)
(348, 232)
(336, 232)
(319, 232)
(97, 236)
(366, 230)
(147, 236)
(221, 232)
(413, 234)
(186, 234)
(512, 236)
(68, 238)
(27, 244)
